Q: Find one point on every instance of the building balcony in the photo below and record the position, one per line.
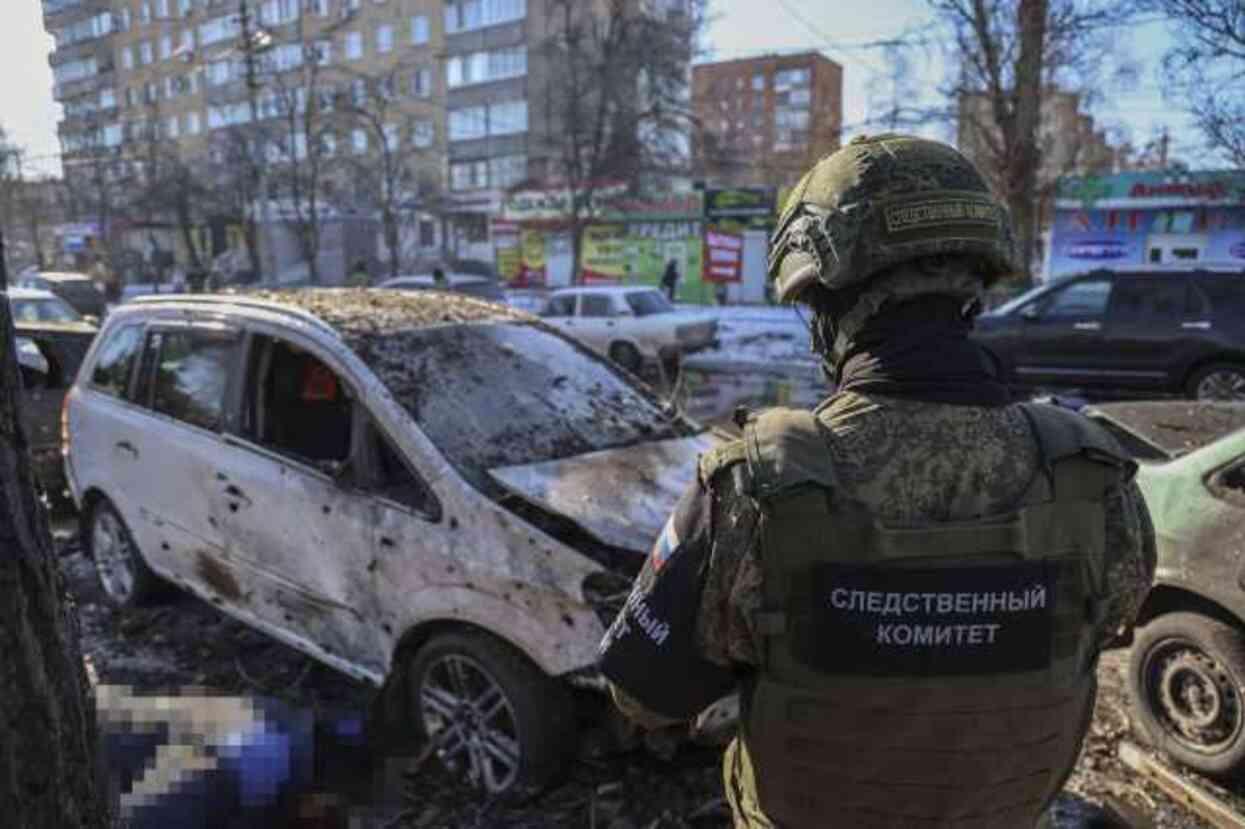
(58, 13)
(69, 90)
(96, 47)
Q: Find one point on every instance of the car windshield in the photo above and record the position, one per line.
(644, 303)
(1015, 302)
(506, 394)
(49, 309)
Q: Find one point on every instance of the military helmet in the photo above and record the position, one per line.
(882, 200)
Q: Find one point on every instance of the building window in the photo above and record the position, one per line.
(384, 39)
(166, 47)
(185, 7)
(125, 20)
(192, 123)
(221, 28)
(144, 13)
(392, 136)
(358, 139)
(465, 15)
(481, 67)
(145, 53)
(791, 79)
(421, 83)
(107, 98)
(358, 92)
(507, 170)
(328, 144)
(423, 134)
(278, 12)
(419, 30)
(758, 82)
(129, 96)
(354, 45)
(171, 129)
(469, 175)
(505, 118)
(127, 58)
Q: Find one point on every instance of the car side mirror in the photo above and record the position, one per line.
(1030, 313)
(342, 472)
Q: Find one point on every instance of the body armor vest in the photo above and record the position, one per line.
(939, 675)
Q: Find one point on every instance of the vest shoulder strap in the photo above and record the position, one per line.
(1065, 437)
(722, 456)
(784, 449)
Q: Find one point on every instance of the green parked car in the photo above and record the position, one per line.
(1187, 667)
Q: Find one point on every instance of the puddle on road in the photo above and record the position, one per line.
(711, 394)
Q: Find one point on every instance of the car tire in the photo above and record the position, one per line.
(503, 726)
(627, 356)
(1186, 677)
(120, 568)
(1217, 381)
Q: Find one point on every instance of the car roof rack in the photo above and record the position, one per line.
(237, 301)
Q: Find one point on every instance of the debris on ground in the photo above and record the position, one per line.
(186, 642)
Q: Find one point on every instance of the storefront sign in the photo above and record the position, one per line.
(637, 253)
(750, 207)
(1152, 189)
(724, 256)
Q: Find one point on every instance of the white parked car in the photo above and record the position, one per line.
(469, 284)
(633, 326)
(446, 499)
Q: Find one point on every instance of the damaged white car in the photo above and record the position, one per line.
(441, 496)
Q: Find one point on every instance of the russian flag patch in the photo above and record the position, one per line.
(666, 544)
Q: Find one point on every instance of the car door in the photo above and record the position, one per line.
(298, 532)
(184, 380)
(1061, 337)
(596, 320)
(1151, 330)
(107, 429)
(559, 311)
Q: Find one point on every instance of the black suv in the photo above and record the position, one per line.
(1134, 333)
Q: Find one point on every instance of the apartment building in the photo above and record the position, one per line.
(458, 78)
(762, 122)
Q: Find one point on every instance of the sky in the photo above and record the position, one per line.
(740, 28)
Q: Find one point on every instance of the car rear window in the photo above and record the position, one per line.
(644, 303)
(505, 394)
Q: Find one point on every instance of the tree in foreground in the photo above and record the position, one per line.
(48, 774)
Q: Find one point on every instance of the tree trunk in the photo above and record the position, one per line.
(187, 228)
(1026, 156)
(577, 248)
(48, 774)
(392, 240)
(251, 235)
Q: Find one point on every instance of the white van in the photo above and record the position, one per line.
(441, 496)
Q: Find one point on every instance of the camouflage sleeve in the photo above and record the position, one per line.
(732, 594)
(651, 655)
(1130, 560)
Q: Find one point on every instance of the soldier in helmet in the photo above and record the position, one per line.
(909, 585)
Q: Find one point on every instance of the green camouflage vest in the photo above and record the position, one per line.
(925, 676)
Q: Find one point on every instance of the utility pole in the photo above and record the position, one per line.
(263, 232)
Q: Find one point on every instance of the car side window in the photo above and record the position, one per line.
(192, 374)
(596, 305)
(1149, 300)
(1080, 300)
(560, 306)
(115, 363)
(295, 404)
(392, 478)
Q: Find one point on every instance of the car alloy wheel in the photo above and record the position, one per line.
(114, 555)
(467, 715)
(1222, 384)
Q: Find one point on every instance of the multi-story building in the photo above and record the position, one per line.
(762, 122)
(448, 86)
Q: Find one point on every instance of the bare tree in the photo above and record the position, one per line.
(48, 764)
(234, 163)
(389, 173)
(1007, 57)
(617, 102)
(1205, 70)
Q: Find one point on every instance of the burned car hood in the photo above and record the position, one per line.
(620, 496)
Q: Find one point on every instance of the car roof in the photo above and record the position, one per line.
(1177, 427)
(64, 276)
(616, 290)
(422, 278)
(347, 311)
(31, 293)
